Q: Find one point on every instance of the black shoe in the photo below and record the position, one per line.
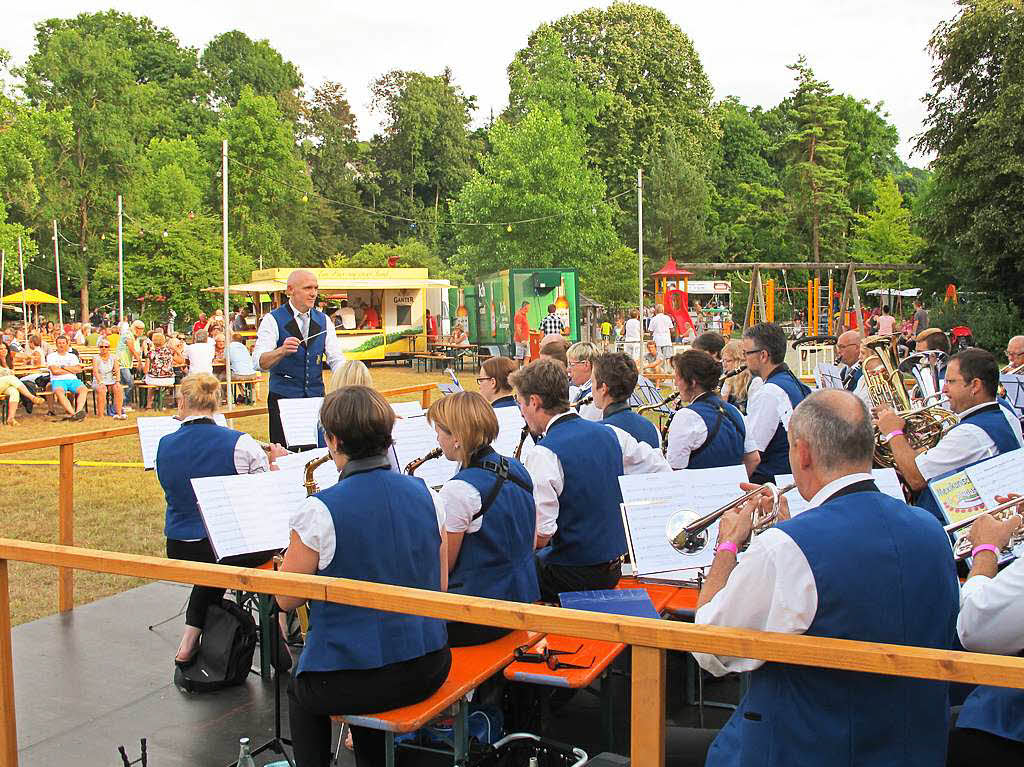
(79, 416)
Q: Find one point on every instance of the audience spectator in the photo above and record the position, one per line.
(106, 374)
(200, 323)
(347, 315)
(239, 323)
(159, 363)
(653, 363)
(65, 368)
(199, 355)
(12, 387)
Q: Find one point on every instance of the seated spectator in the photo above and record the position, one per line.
(348, 316)
(241, 363)
(200, 323)
(12, 387)
(106, 373)
(459, 337)
(652, 362)
(92, 335)
(158, 366)
(65, 368)
(77, 334)
(199, 355)
(218, 352)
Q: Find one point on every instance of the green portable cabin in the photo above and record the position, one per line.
(491, 303)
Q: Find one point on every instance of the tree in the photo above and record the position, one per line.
(411, 253)
(814, 179)
(612, 278)
(654, 77)
(536, 171)
(974, 125)
(235, 61)
(884, 234)
(870, 154)
(677, 205)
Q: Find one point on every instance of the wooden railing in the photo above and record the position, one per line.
(649, 638)
(65, 487)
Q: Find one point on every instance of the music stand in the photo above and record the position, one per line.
(1014, 385)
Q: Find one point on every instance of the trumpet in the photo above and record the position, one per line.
(1012, 371)
(522, 441)
(410, 469)
(963, 546)
(311, 466)
(688, 533)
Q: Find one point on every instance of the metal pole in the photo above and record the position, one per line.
(24, 304)
(640, 237)
(227, 316)
(120, 263)
(56, 258)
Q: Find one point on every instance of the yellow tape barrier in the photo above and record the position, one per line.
(115, 464)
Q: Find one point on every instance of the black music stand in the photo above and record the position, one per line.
(1014, 385)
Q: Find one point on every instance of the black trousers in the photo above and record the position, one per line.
(469, 634)
(554, 579)
(970, 748)
(204, 596)
(314, 696)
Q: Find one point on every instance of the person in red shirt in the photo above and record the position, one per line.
(522, 332)
(370, 317)
(200, 323)
(431, 327)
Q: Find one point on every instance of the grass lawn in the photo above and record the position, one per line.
(118, 509)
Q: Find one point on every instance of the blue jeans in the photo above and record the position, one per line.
(127, 382)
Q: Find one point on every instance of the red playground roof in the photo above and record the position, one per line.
(670, 270)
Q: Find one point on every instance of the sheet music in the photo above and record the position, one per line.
(650, 500)
(245, 513)
(447, 388)
(325, 475)
(407, 409)
(998, 476)
(888, 482)
(152, 428)
(1014, 385)
(510, 427)
(830, 376)
(300, 419)
(414, 438)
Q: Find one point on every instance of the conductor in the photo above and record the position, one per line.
(291, 344)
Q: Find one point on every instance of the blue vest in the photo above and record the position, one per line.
(897, 585)
(991, 420)
(724, 448)
(999, 710)
(589, 522)
(506, 401)
(497, 560)
(195, 450)
(386, 532)
(854, 378)
(300, 374)
(775, 457)
(621, 415)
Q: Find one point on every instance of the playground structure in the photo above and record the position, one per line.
(672, 289)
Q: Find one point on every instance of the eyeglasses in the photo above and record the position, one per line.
(485, 378)
(577, 362)
(549, 657)
(752, 351)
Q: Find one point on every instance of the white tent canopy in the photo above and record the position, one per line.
(907, 293)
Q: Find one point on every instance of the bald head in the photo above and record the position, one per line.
(848, 346)
(302, 289)
(1015, 351)
(836, 427)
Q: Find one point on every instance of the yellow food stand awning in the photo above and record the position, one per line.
(32, 296)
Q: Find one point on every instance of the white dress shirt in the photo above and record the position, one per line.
(313, 523)
(199, 358)
(549, 479)
(687, 432)
(661, 330)
(767, 406)
(590, 411)
(268, 339)
(633, 331)
(772, 588)
(992, 612)
(963, 445)
(348, 318)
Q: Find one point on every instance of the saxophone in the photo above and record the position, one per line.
(410, 469)
(311, 466)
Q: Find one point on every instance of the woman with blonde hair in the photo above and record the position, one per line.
(349, 373)
(493, 381)
(202, 448)
(736, 388)
(490, 516)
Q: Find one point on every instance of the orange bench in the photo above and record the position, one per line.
(471, 667)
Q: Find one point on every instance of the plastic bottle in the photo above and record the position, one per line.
(244, 755)
(533, 761)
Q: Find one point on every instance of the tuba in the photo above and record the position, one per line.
(925, 424)
(311, 466)
(411, 467)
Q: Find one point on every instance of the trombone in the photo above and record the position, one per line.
(963, 546)
(688, 533)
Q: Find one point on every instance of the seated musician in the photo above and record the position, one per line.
(857, 565)
(708, 432)
(989, 728)
(493, 381)
(580, 365)
(555, 350)
(1015, 355)
(848, 348)
(613, 381)
(985, 429)
(202, 448)
(359, 660)
(771, 405)
(575, 471)
(710, 342)
(490, 518)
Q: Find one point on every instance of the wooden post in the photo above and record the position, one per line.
(66, 525)
(647, 708)
(425, 398)
(8, 725)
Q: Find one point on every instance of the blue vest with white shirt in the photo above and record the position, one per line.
(775, 456)
(989, 419)
(497, 560)
(507, 401)
(385, 528)
(300, 374)
(620, 414)
(800, 715)
(726, 433)
(199, 448)
(590, 528)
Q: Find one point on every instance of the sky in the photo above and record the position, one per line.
(870, 49)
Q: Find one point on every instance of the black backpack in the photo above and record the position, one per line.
(225, 650)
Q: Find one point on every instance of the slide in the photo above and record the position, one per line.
(676, 302)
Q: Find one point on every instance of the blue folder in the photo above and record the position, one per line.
(635, 602)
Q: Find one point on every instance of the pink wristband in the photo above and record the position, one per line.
(890, 435)
(726, 546)
(985, 547)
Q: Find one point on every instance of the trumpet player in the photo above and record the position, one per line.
(848, 347)
(614, 378)
(1014, 354)
(807, 575)
(985, 429)
(708, 432)
(989, 729)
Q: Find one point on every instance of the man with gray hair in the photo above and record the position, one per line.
(858, 564)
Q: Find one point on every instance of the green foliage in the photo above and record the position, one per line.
(677, 204)
(975, 125)
(411, 253)
(993, 320)
(611, 279)
(234, 62)
(536, 170)
(870, 153)
(885, 233)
